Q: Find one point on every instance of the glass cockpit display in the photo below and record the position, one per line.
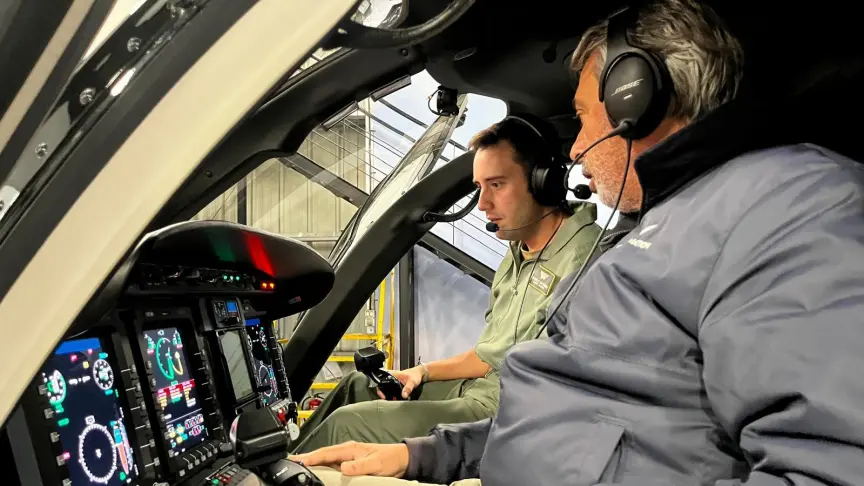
(88, 417)
(176, 391)
(262, 364)
(232, 346)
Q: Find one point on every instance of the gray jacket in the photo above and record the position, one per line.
(721, 342)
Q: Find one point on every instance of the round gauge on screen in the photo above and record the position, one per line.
(264, 378)
(103, 374)
(55, 384)
(168, 358)
(97, 453)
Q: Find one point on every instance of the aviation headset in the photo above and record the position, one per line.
(635, 86)
(635, 89)
(546, 178)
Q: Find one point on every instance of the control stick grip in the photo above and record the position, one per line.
(285, 472)
(387, 383)
(261, 443)
(369, 361)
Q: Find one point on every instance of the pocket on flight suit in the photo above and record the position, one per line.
(600, 455)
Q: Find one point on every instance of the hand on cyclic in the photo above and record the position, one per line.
(359, 459)
(410, 379)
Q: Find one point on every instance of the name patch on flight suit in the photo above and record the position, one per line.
(543, 280)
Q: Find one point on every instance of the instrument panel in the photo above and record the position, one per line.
(147, 399)
(177, 344)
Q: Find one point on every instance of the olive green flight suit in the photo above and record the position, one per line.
(521, 291)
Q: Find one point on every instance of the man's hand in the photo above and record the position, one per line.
(358, 459)
(410, 379)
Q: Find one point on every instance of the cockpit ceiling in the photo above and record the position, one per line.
(517, 51)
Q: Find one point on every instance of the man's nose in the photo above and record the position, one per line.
(577, 148)
(483, 204)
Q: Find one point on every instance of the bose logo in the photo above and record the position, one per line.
(625, 87)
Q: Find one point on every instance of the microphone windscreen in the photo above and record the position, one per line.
(492, 227)
(582, 191)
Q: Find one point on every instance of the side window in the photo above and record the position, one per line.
(278, 196)
(296, 196)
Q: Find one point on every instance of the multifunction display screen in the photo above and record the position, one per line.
(231, 343)
(262, 364)
(176, 390)
(82, 388)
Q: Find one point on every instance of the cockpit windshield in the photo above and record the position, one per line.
(416, 164)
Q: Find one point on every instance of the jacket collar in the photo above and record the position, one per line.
(626, 223)
(733, 129)
(584, 214)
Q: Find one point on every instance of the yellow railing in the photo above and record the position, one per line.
(302, 415)
(383, 341)
(391, 356)
(323, 386)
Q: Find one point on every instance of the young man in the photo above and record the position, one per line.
(549, 239)
(719, 343)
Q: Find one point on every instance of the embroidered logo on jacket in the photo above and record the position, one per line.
(641, 244)
(542, 280)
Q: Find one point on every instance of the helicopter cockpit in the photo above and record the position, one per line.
(177, 343)
(153, 360)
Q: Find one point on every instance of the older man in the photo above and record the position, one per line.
(719, 343)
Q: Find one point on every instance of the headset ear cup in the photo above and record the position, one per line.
(535, 184)
(634, 85)
(554, 185)
(546, 180)
(634, 93)
(547, 185)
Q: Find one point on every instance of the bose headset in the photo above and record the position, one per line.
(635, 88)
(546, 180)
